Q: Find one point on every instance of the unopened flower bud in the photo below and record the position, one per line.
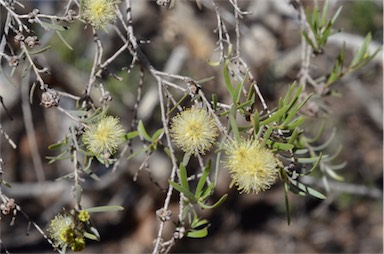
(50, 98)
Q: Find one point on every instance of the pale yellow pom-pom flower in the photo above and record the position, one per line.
(194, 131)
(103, 138)
(59, 227)
(253, 168)
(99, 12)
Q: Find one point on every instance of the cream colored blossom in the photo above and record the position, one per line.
(103, 138)
(63, 233)
(194, 131)
(99, 12)
(253, 168)
(59, 230)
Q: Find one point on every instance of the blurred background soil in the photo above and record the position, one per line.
(349, 221)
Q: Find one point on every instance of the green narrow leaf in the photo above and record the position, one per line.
(67, 176)
(131, 135)
(6, 184)
(185, 212)
(79, 190)
(40, 50)
(256, 122)
(327, 142)
(324, 36)
(142, 132)
(207, 192)
(259, 133)
(275, 116)
(217, 204)
(213, 63)
(90, 236)
(224, 113)
(341, 56)
(60, 143)
(204, 80)
(181, 189)
(54, 26)
(217, 164)
(62, 156)
(197, 222)
(325, 183)
(280, 146)
(304, 190)
(251, 93)
(63, 40)
(203, 180)
(94, 176)
(244, 104)
(137, 152)
(339, 166)
(33, 87)
(78, 113)
(186, 158)
(167, 152)
(315, 17)
(318, 134)
(178, 102)
(267, 134)
(238, 91)
(157, 134)
(324, 14)
(88, 165)
(96, 115)
(310, 160)
(309, 41)
(293, 137)
(281, 103)
(288, 94)
(363, 49)
(81, 6)
(315, 165)
(227, 80)
(294, 110)
(99, 209)
(198, 233)
(95, 232)
(333, 20)
(333, 174)
(334, 154)
(295, 123)
(214, 101)
(183, 177)
(287, 209)
(295, 97)
(301, 151)
(233, 123)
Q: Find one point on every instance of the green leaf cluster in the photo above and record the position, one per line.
(199, 196)
(153, 140)
(320, 27)
(362, 57)
(73, 142)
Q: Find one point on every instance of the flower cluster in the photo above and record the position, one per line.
(103, 138)
(64, 233)
(84, 216)
(99, 12)
(194, 131)
(253, 168)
